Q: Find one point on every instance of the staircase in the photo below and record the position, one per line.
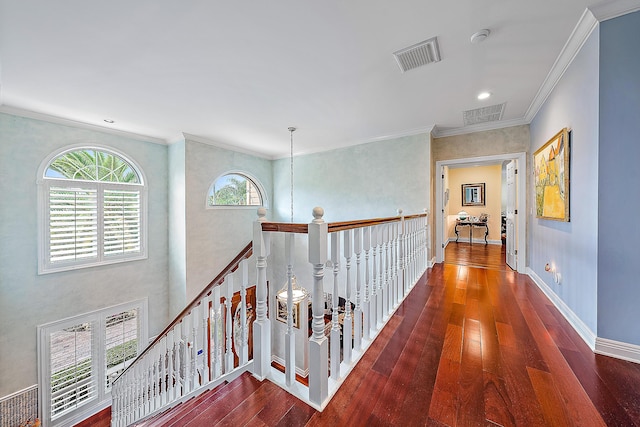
(241, 402)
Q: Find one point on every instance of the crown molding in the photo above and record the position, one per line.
(416, 131)
(202, 140)
(15, 111)
(578, 37)
(410, 132)
(480, 127)
(612, 9)
(583, 29)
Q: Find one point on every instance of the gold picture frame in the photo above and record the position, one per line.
(551, 178)
(473, 194)
(281, 312)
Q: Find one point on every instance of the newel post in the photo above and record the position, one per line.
(318, 347)
(262, 325)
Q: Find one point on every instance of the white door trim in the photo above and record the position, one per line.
(521, 186)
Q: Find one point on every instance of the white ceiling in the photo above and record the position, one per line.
(238, 73)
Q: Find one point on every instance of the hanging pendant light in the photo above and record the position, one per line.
(298, 293)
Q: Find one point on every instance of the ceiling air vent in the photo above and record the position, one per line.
(419, 54)
(482, 115)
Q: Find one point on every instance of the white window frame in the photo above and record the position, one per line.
(98, 358)
(247, 175)
(44, 186)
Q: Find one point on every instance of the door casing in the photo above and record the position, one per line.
(521, 203)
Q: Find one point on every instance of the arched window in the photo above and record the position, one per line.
(92, 210)
(235, 189)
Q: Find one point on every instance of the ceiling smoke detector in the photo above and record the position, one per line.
(480, 36)
(482, 115)
(419, 54)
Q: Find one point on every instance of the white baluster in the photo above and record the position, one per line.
(141, 390)
(178, 361)
(188, 353)
(357, 314)
(398, 262)
(149, 391)
(162, 372)
(169, 366)
(290, 339)
(228, 288)
(205, 367)
(416, 261)
(394, 264)
(262, 325)
(373, 313)
(131, 396)
(366, 306)
(426, 243)
(347, 325)
(391, 269)
(137, 392)
(244, 327)
(417, 246)
(384, 254)
(380, 275)
(195, 348)
(115, 396)
(216, 332)
(115, 404)
(411, 251)
(318, 351)
(334, 343)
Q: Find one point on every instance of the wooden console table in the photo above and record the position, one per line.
(471, 224)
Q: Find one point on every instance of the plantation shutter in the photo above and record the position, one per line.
(72, 380)
(121, 339)
(121, 222)
(73, 224)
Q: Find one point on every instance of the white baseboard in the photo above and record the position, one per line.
(576, 323)
(466, 240)
(432, 262)
(302, 372)
(617, 349)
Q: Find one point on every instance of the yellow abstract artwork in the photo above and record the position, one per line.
(551, 178)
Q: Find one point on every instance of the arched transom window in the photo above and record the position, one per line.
(235, 189)
(92, 210)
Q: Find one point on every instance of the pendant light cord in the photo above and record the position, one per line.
(291, 130)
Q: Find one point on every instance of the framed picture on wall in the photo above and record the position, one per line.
(281, 312)
(473, 194)
(551, 178)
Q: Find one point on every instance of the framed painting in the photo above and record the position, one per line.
(551, 178)
(281, 312)
(473, 194)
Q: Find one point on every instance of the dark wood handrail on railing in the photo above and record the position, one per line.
(230, 268)
(285, 227)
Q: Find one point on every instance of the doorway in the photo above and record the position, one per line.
(514, 221)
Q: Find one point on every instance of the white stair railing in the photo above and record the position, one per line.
(390, 257)
(194, 353)
(208, 342)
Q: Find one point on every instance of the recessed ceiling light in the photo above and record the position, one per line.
(483, 95)
(109, 121)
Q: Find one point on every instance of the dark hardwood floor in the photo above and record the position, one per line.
(476, 255)
(469, 347)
